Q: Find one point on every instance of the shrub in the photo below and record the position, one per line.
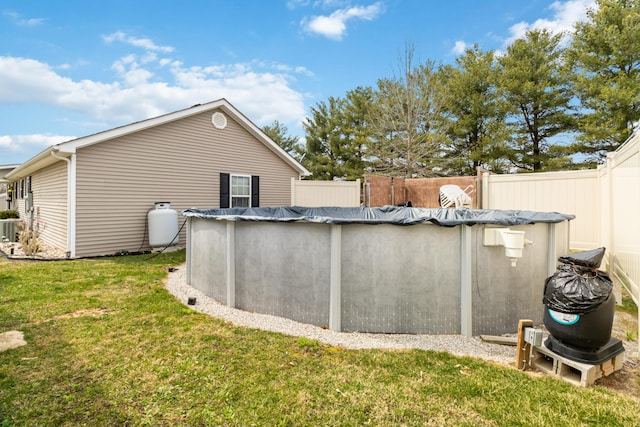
(28, 238)
(8, 214)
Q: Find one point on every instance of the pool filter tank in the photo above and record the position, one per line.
(163, 226)
(579, 309)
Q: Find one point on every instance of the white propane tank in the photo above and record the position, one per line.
(163, 226)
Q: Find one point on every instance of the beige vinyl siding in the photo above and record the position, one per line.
(49, 214)
(180, 162)
(49, 187)
(18, 204)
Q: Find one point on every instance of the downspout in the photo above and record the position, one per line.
(71, 201)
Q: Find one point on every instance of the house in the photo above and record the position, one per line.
(4, 187)
(91, 196)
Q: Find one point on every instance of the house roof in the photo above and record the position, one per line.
(4, 169)
(66, 149)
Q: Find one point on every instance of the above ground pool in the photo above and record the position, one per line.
(384, 270)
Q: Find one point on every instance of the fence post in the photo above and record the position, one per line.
(552, 256)
(485, 190)
(189, 251)
(617, 290)
(335, 285)
(231, 264)
(466, 288)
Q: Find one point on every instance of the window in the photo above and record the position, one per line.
(28, 195)
(239, 191)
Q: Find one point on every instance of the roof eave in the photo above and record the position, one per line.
(45, 158)
(39, 161)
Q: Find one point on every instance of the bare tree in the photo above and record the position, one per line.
(406, 120)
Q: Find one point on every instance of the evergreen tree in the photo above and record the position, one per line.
(477, 114)
(280, 135)
(357, 132)
(606, 56)
(337, 134)
(536, 85)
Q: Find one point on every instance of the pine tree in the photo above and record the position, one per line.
(336, 135)
(476, 113)
(605, 54)
(280, 135)
(536, 86)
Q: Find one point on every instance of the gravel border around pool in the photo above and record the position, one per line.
(454, 344)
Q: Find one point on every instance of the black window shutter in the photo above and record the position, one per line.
(255, 191)
(224, 190)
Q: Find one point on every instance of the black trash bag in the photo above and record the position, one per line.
(577, 287)
(591, 258)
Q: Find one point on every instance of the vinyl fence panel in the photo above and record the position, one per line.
(314, 194)
(568, 192)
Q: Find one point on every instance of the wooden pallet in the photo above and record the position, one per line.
(580, 374)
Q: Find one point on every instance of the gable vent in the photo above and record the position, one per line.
(219, 120)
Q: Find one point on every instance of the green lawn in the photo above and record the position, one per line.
(108, 345)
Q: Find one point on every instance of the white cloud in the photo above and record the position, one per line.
(28, 80)
(294, 4)
(261, 91)
(565, 15)
(286, 68)
(24, 22)
(31, 22)
(21, 143)
(145, 86)
(130, 72)
(334, 26)
(304, 70)
(459, 48)
(144, 43)
(262, 96)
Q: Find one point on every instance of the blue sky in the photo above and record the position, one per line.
(75, 67)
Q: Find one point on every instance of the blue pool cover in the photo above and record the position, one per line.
(396, 215)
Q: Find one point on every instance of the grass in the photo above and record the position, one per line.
(628, 306)
(107, 345)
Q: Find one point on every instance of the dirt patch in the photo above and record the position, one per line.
(92, 312)
(626, 380)
(11, 339)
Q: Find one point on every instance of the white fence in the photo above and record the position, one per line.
(605, 201)
(620, 211)
(314, 194)
(571, 192)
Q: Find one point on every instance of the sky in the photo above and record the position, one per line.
(73, 68)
